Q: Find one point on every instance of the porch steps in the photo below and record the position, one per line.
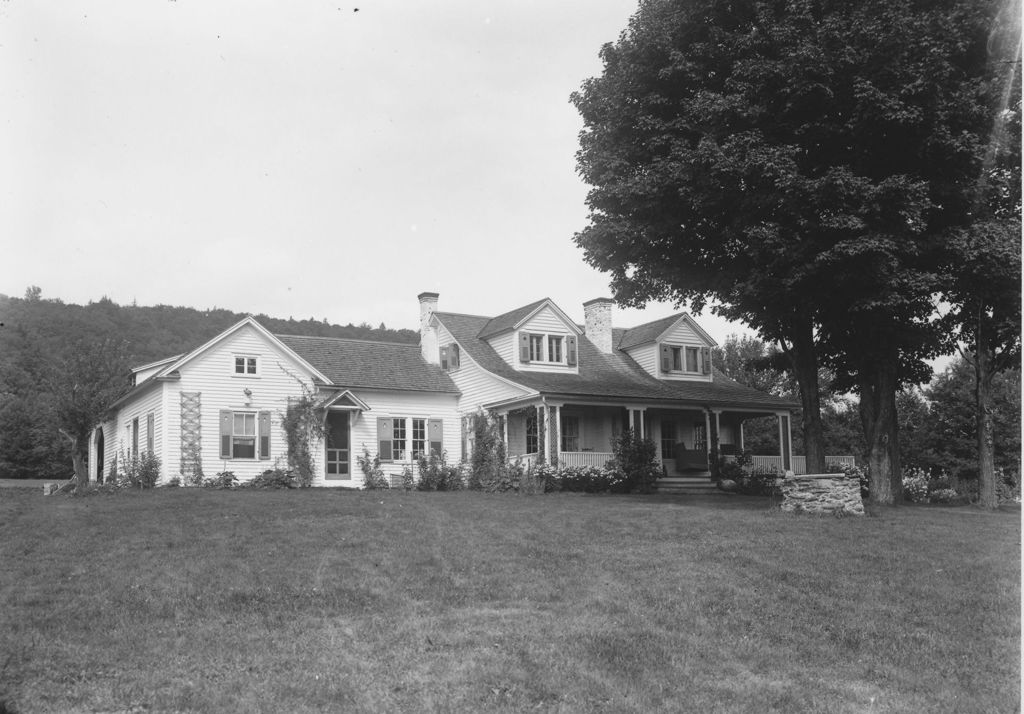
(687, 485)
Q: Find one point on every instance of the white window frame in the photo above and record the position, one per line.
(255, 435)
(249, 361)
(559, 342)
(687, 351)
(537, 347)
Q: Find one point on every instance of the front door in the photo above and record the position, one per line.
(99, 455)
(338, 465)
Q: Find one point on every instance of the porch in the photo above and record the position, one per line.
(577, 434)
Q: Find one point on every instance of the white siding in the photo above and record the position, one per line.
(118, 434)
(388, 404)
(545, 322)
(506, 346)
(477, 385)
(212, 373)
(647, 357)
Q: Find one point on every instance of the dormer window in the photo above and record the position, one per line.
(536, 348)
(554, 349)
(544, 349)
(686, 360)
(245, 365)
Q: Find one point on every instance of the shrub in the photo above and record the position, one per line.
(408, 483)
(174, 482)
(636, 459)
(192, 466)
(1007, 486)
(590, 479)
(488, 462)
(273, 479)
(915, 485)
(223, 480)
(758, 483)
(943, 495)
(436, 474)
(303, 423)
(373, 475)
(140, 471)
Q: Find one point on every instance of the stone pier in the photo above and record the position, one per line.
(821, 493)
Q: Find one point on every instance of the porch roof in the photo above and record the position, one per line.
(608, 376)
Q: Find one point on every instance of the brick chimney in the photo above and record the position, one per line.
(428, 335)
(597, 316)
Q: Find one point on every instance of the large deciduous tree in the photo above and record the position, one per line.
(82, 384)
(793, 163)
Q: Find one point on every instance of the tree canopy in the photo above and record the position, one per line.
(795, 162)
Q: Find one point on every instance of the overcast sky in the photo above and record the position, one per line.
(300, 159)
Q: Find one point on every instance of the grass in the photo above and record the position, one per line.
(193, 600)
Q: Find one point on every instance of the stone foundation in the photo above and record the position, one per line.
(822, 493)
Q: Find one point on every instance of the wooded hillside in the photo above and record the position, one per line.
(37, 333)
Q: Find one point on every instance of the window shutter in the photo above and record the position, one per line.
(454, 357)
(264, 435)
(705, 354)
(444, 357)
(524, 346)
(384, 436)
(150, 421)
(666, 358)
(435, 433)
(225, 434)
(570, 350)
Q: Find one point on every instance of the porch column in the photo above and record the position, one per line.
(636, 420)
(740, 436)
(542, 429)
(785, 441)
(504, 431)
(707, 433)
(556, 434)
(718, 427)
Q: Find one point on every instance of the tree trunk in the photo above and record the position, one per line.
(79, 459)
(881, 432)
(987, 495)
(804, 359)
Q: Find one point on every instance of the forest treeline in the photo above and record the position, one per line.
(38, 334)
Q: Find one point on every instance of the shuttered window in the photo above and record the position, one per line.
(419, 438)
(536, 348)
(244, 435)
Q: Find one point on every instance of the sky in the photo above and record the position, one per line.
(311, 159)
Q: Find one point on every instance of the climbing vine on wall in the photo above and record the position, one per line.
(304, 425)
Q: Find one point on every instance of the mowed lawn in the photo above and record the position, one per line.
(317, 600)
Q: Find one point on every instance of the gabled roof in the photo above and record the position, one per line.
(373, 365)
(516, 318)
(653, 331)
(614, 375)
(158, 363)
(249, 321)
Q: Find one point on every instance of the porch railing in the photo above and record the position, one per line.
(597, 459)
(773, 464)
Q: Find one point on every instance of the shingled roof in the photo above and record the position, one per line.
(508, 320)
(376, 365)
(614, 375)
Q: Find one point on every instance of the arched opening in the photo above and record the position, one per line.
(99, 455)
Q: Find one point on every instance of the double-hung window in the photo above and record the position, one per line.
(419, 438)
(536, 348)
(245, 364)
(398, 447)
(244, 435)
(692, 359)
(677, 359)
(554, 348)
